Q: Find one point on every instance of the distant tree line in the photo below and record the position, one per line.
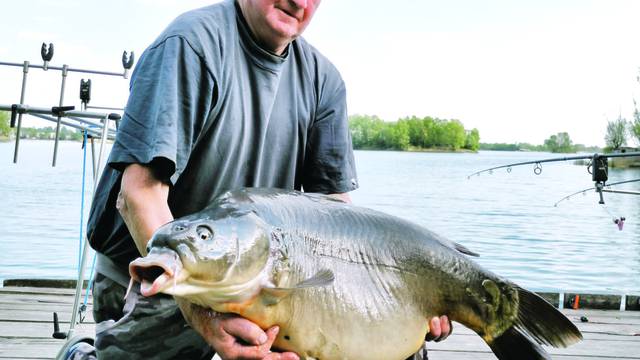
(5, 129)
(49, 132)
(558, 143)
(46, 133)
(411, 133)
(512, 147)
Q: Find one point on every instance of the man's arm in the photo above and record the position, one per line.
(142, 203)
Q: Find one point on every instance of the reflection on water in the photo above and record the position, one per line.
(508, 218)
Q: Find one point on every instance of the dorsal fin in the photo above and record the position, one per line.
(463, 249)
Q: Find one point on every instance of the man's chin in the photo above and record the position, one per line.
(285, 26)
(286, 32)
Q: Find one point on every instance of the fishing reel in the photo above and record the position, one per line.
(599, 170)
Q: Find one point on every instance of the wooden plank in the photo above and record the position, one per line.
(38, 290)
(32, 348)
(42, 283)
(589, 331)
(34, 330)
(465, 355)
(35, 305)
(36, 298)
(603, 313)
(598, 348)
(39, 316)
(459, 331)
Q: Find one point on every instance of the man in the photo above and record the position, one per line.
(228, 96)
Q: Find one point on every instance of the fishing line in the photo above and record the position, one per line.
(80, 247)
(606, 209)
(619, 221)
(600, 185)
(89, 287)
(84, 171)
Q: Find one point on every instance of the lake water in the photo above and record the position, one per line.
(508, 218)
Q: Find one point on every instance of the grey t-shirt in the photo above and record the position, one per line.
(211, 111)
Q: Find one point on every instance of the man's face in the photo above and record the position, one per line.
(275, 23)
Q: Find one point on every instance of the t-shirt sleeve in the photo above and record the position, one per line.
(329, 163)
(171, 95)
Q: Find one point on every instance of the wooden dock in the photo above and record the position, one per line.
(26, 329)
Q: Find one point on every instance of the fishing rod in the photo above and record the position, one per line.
(538, 167)
(602, 188)
(598, 167)
(607, 188)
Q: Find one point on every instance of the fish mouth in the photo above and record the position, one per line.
(157, 271)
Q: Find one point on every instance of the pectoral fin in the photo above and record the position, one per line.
(271, 296)
(321, 278)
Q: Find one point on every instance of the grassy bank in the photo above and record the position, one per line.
(625, 163)
(417, 149)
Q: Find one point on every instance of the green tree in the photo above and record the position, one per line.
(401, 139)
(454, 135)
(5, 129)
(363, 130)
(635, 125)
(435, 129)
(616, 133)
(472, 141)
(371, 132)
(559, 143)
(416, 130)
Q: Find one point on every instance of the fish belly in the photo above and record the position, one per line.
(366, 313)
(352, 334)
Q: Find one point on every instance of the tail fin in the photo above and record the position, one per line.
(543, 322)
(538, 322)
(514, 345)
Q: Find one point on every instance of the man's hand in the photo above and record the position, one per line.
(439, 328)
(234, 337)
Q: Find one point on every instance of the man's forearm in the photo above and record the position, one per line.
(142, 203)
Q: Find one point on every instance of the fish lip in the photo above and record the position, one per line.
(157, 271)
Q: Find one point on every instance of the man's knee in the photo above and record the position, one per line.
(150, 328)
(108, 299)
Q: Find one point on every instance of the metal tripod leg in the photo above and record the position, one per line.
(85, 249)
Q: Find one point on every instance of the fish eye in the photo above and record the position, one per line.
(204, 233)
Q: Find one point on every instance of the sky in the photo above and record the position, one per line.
(518, 71)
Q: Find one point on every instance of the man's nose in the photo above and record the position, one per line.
(301, 4)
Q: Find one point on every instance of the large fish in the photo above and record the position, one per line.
(341, 281)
